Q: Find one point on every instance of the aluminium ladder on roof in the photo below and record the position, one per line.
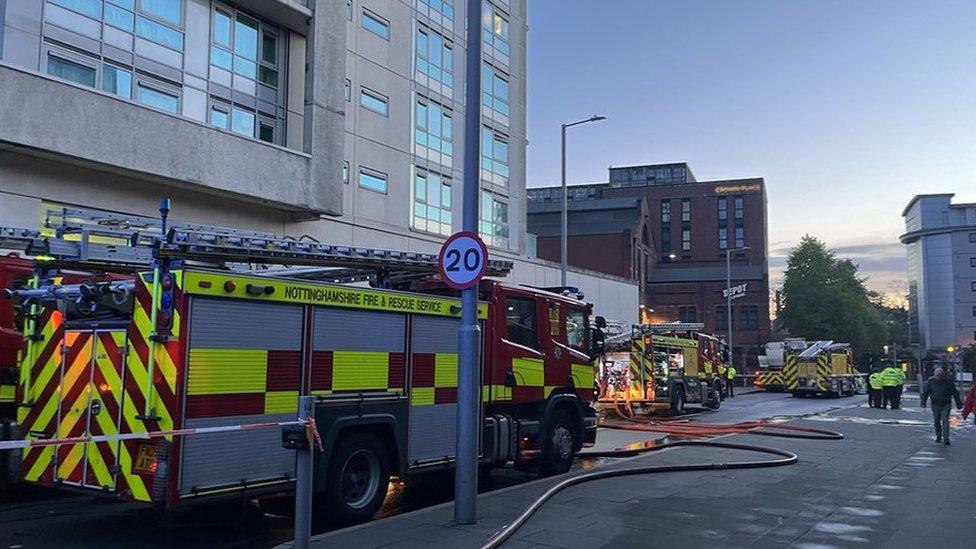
(116, 241)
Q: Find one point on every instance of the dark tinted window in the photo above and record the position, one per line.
(520, 319)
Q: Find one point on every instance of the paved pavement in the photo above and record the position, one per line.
(886, 484)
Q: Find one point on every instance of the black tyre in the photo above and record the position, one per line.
(559, 444)
(715, 397)
(678, 401)
(358, 476)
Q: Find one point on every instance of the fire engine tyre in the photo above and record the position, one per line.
(678, 401)
(358, 475)
(560, 442)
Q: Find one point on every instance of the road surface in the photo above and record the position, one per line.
(36, 517)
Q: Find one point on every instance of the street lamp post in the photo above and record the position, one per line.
(728, 294)
(564, 242)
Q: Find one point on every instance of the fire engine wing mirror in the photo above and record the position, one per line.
(600, 322)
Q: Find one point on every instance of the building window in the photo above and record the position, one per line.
(242, 121)
(266, 132)
(434, 132)
(740, 212)
(723, 208)
(220, 116)
(494, 87)
(972, 237)
(494, 157)
(444, 7)
(117, 81)
(170, 11)
(520, 322)
(120, 18)
(685, 224)
(496, 28)
(435, 56)
(721, 317)
(432, 203)
(974, 310)
(236, 47)
(157, 99)
(91, 8)
(372, 180)
(159, 33)
(687, 313)
(749, 317)
(374, 101)
(723, 223)
(723, 238)
(347, 91)
(349, 10)
(972, 261)
(685, 240)
(69, 70)
(685, 210)
(740, 237)
(494, 220)
(345, 171)
(665, 225)
(973, 286)
(376, 24)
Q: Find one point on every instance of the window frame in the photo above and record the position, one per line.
(370, 172)
(76, 59)
(369, 92)
(972, 262)
(142, 80)
(491, 238)
(367, 13)
(445, 182)
(447, 46)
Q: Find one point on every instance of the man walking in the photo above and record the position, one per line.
(892, 380)
(874, 388)
(942, 391)
(730, 379)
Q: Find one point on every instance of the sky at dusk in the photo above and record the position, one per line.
(847, 109)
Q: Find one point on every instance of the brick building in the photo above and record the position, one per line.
(689, 226)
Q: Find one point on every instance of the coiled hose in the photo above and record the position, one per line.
(754, 427)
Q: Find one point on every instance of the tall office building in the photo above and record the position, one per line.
(339, 119)
(941, 240)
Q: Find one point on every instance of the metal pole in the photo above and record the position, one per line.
(728, 299)
(469, 334)
(303, 481)
(564, 235)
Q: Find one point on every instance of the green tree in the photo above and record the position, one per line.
(824, 299)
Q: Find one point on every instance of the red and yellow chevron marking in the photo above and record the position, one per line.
(106, 387)
(45, 370)
(75, 403)
(168, 362)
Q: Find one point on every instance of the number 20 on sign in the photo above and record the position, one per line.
(463, 260)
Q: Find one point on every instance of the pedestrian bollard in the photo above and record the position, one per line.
(299, 438)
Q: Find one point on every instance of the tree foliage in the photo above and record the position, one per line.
(824, 299)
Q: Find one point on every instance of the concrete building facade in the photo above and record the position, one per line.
(941, 241)
(336, 119)
(690, 226)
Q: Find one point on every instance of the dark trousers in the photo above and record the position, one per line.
(874, 397)
(888, 397)
(898, 389)
(940, 418)
(728, 388)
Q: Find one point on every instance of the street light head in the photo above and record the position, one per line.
(597, 118)
(672, 255)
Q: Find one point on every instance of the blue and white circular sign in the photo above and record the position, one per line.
(463, 260)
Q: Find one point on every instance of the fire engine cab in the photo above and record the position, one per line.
(186, 342)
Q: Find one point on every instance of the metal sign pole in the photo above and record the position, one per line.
(466, 460)
(303, 480)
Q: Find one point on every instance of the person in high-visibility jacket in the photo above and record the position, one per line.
(730, 378)
(892, 380)
(874, 388)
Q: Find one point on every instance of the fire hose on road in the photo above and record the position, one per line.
(783, 457)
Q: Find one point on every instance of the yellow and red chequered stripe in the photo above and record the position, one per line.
(434, 379)
(336, 372)
(236, 382)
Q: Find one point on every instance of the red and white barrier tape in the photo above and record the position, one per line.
(20, 444)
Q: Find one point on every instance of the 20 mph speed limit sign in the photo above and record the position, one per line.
(463, 260)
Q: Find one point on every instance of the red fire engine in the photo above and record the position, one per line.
(188, 346)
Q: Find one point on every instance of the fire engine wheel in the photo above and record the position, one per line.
(560, 441)
(678, 401)
(358, 476)
(716, 397)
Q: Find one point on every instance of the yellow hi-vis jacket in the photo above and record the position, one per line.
(892, 377)
(730, 372)
(875, 381)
